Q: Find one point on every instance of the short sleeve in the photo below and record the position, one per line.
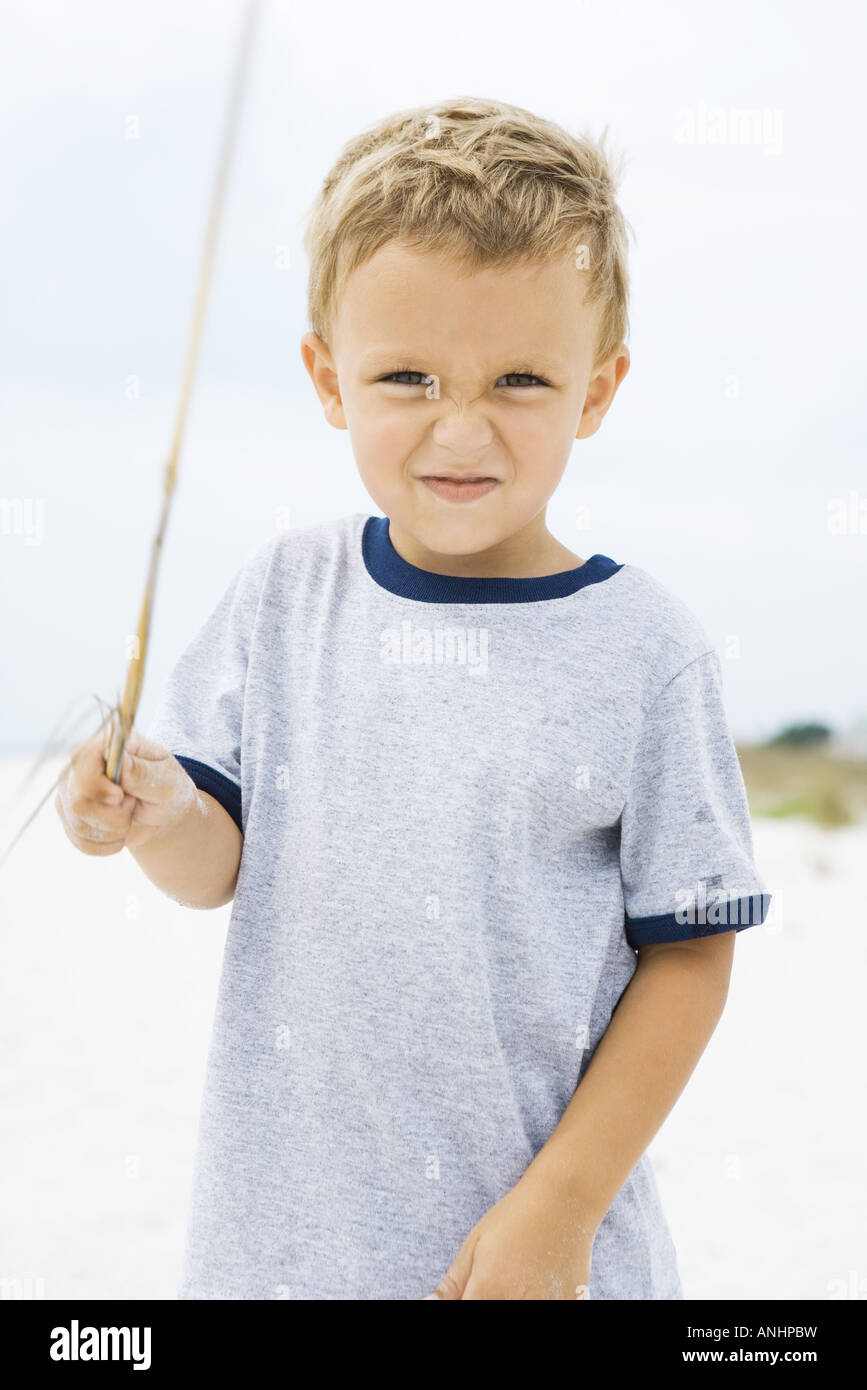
(686, 850)
(199, 716)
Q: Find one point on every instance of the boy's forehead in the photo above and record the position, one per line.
(403, 302)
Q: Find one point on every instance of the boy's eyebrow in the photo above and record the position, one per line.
(383, 359)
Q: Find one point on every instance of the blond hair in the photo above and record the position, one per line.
(485, 182)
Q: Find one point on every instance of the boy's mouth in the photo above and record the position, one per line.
(452, 489)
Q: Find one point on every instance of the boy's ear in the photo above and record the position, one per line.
(600, 392)
(316, 356)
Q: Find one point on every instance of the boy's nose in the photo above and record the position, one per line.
(464, 435)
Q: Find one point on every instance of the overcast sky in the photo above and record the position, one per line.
(734, 444)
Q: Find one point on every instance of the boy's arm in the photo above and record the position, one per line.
(186, 843)
(659, 1029)
(196, 861)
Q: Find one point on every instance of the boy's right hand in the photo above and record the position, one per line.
(101, 816)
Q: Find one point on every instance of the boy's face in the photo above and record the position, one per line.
(511, 351)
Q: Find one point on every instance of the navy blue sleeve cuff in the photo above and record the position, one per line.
(216, 784)
(668, 926)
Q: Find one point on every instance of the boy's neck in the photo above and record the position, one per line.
(524, 555)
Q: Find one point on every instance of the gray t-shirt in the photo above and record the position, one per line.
(465, 802)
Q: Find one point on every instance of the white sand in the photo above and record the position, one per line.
(106, 996)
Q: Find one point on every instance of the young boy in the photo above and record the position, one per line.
(474, 796)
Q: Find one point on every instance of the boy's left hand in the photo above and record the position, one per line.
(531, 1245)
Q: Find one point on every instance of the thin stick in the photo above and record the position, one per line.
(58, 737)
(124, 714)
(120, 717)
(35, 812)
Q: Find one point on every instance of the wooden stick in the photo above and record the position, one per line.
(123, 716)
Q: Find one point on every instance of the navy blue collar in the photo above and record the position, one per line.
(392, 572)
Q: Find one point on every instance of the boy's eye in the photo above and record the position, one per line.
(526, 376)
(422, 378)
(516, 380)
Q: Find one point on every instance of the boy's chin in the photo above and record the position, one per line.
(467, 532)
